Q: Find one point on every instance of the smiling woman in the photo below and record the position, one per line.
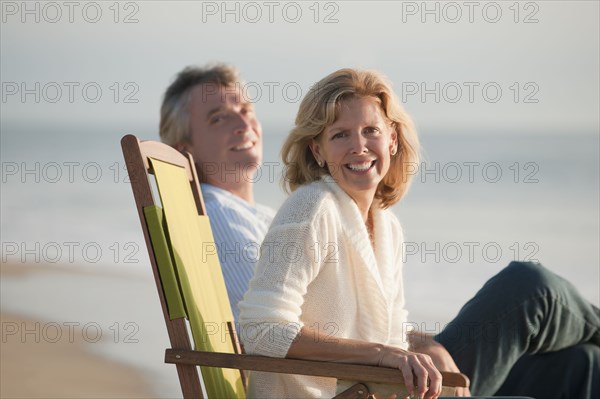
(345, 159)
(339, 295)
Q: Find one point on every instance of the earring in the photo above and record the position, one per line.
(320, 164)
(393, 151)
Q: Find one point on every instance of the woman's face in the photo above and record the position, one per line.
(356, 147)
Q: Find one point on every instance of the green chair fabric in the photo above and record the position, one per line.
(193, 252)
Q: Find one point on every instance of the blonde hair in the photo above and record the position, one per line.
(320, 108)
(174, 125)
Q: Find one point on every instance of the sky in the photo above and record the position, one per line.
(471, 67)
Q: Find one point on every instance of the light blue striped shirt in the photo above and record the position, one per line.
(238, 228)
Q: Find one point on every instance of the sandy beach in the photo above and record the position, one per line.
(40, 360)
(62, 339)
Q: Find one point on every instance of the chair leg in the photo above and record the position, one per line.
(189, 381)
(358, 391)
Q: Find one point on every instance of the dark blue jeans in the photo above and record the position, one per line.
(527, 332)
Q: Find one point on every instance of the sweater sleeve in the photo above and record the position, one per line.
(271, 309)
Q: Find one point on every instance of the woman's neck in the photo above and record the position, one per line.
(364, 206)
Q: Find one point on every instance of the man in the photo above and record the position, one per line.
(205, 113)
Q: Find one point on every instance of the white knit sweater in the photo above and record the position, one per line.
(318, 269)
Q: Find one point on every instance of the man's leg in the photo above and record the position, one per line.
(569, 373)
(524, 309)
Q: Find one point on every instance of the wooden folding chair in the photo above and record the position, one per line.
(190, 286)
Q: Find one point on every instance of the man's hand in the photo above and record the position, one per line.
(424, 343)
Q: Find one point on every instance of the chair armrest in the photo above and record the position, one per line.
(343, 371)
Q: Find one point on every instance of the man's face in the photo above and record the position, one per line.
(226, 137)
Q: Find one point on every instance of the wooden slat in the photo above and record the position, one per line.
(343, 371)
(357, 391)
(137, 168)
(238, 350)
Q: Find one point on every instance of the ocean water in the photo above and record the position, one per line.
(477, 202)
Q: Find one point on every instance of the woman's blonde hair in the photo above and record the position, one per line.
(320, 108)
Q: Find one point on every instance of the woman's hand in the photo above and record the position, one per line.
(424, 343)
(421, 377)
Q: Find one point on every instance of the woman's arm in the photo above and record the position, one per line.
(312, 345)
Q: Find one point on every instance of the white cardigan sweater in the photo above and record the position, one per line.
(318, 269)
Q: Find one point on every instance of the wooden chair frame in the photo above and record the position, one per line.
(181, 354)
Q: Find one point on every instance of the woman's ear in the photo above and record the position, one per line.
(315, 148)
(394, 141)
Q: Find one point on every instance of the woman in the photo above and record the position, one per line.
(328, 285)
(329, 282)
